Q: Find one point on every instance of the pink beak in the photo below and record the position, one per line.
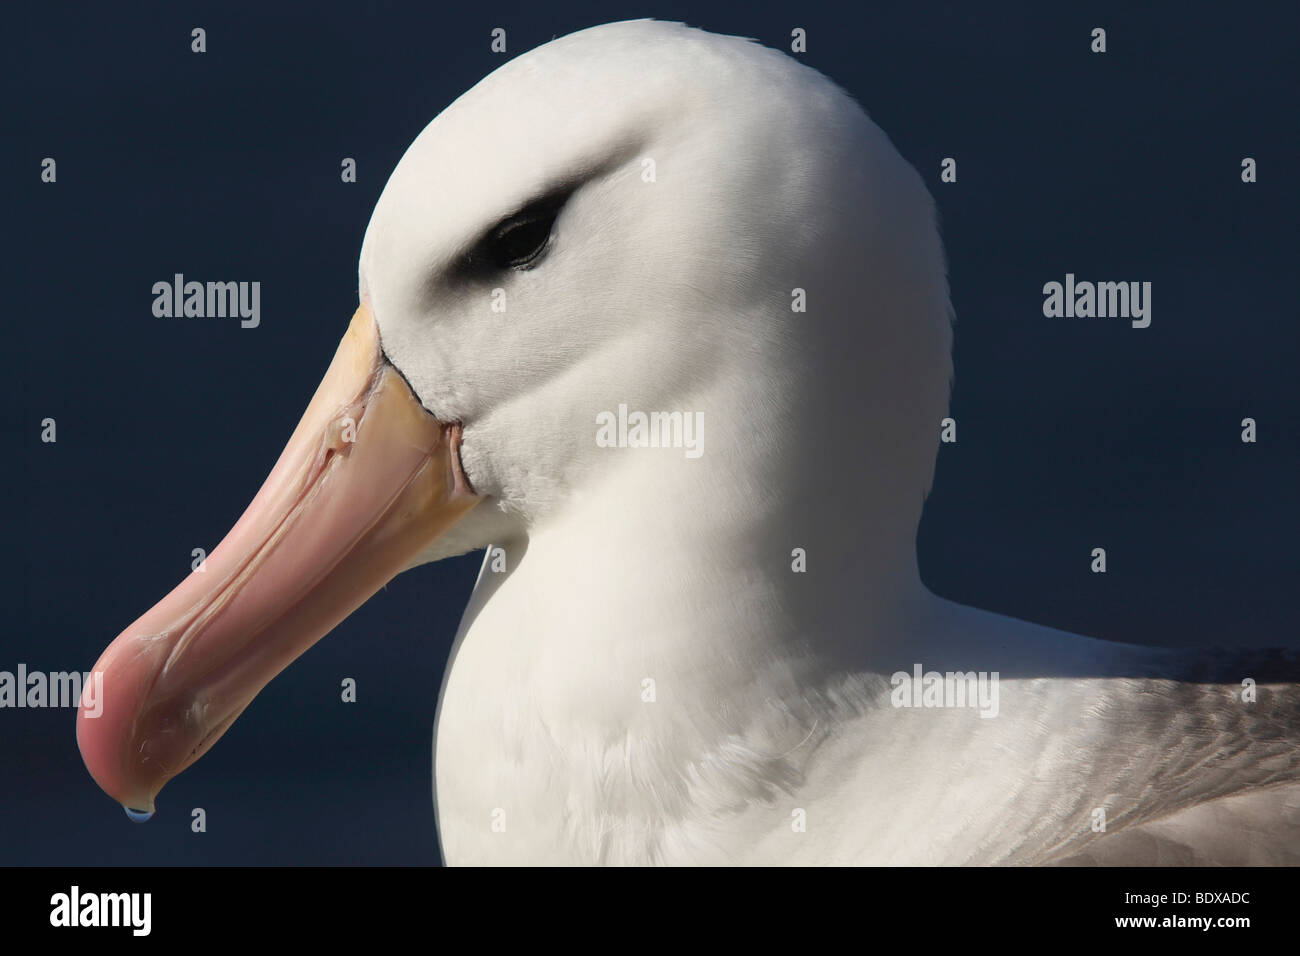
(367, 481)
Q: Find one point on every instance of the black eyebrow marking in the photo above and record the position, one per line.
(467, 265)
(479, 261)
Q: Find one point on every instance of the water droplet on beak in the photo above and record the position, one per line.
(138, 816)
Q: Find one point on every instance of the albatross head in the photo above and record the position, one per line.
(637, 218)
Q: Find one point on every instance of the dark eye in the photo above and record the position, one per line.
(518, 241)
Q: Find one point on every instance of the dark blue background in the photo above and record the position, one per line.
(1074, 433)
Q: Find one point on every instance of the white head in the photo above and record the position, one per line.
(688, 183)
(645, 200)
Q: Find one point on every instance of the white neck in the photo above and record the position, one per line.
(679, 573)
(770, 696)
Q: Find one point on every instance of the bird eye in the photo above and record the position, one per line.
(518, 241)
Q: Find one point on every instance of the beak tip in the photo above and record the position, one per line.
(104, 738)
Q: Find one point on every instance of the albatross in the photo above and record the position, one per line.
(705, 652)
